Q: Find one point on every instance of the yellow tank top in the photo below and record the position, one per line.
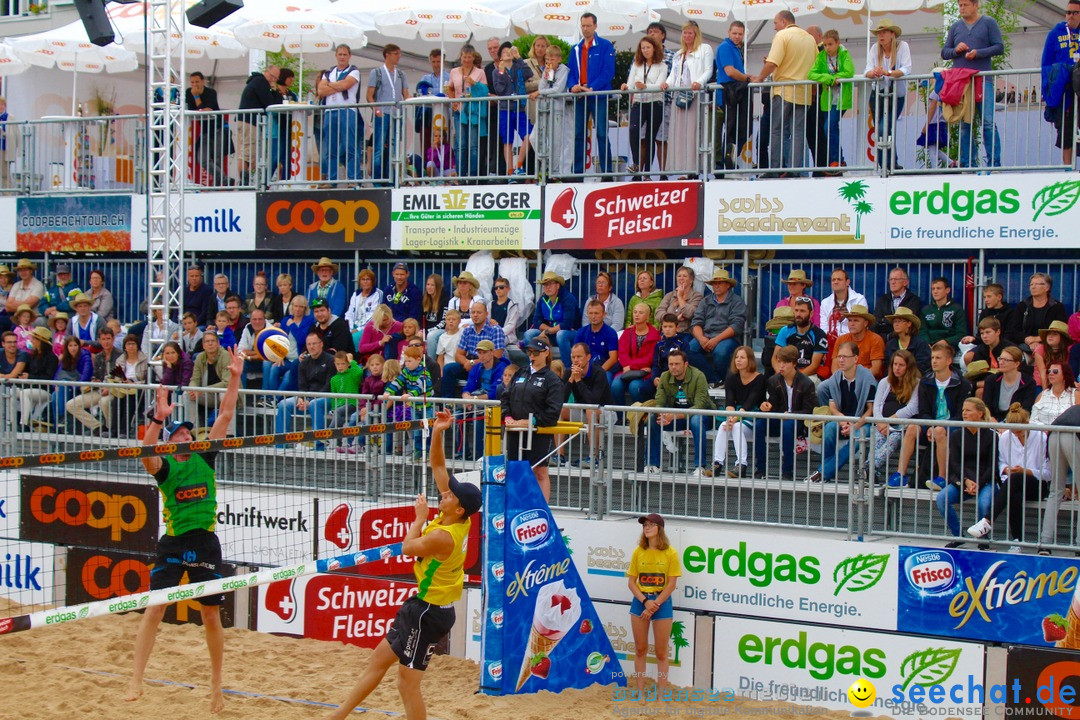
(441, 580)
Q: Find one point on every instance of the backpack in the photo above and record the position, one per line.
(344, 93)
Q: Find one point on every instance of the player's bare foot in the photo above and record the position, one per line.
(134, 691)
(217, 701)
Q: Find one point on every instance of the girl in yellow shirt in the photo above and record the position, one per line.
(654, 571)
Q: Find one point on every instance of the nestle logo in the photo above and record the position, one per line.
(931, 571)
(530, 529)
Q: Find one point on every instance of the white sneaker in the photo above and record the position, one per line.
(980, 529)
(652, 470)
(1015, 549)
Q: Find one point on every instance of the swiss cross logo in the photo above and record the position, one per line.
(280, 599)
(562, 210)
(336, 529)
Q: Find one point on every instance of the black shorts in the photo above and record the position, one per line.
(198, 553)
(542, 445)
(1065, 128)
(417, 629)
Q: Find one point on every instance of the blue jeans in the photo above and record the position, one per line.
(832, 457)
(640, 390)
(280, 378)
(832, 134)
(594, 106)
(380, 157)
(695, 424)
(950, 495)
(59, 398)
(990, 139)
(316, 409)
(564, 340)
(466, 146)
(451, 374)
(339, 133)
(770, 428)
(715, 368)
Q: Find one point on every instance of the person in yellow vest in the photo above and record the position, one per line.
(425, 618)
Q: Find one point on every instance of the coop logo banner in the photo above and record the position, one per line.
(997, 597)
(590, 216)
(73, 223)
(776, 214)
(483, 217)
(983, 211)
(333, 220)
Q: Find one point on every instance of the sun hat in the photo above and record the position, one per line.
(904, 313)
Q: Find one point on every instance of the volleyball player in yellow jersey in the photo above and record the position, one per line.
(439, 551)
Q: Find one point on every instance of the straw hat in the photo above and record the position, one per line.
(887, 24)
(42, 333)
(1059, 327)
(25, 308)
(817, 427)
(721, 275)
(799, 276)
(781, 318)
(977, 370)
(325, 262)
(80, 299)
(904, 313)
(861, 311)
(58, 316)
(24, 263)
(550, 276)
(469, 278)
(5, 270)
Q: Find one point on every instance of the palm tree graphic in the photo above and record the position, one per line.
(677, 638)
(855, 193)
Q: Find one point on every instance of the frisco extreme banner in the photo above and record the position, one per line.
(482, 217)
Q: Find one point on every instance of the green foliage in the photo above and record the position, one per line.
(524, 45)
(287, 60)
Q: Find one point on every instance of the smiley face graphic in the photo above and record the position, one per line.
(862, 693)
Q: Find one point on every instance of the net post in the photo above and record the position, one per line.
(493, 430)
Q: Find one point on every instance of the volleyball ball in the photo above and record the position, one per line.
(272, 344)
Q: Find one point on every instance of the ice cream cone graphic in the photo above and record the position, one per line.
(557, 610)
(1072, 625)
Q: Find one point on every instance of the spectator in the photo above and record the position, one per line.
(199, 297)
(27, 290)
(345, 383)
(327, 287)
(299, 323)
(5, 173)
(556, 313)
(490, 158)
(160, 328)
(1008, 386)
(371, 387)
(130, 369)
(413, 386)
(470, 118)
(941, 395)
(658, 32)
(509, 79)
(378, 335)
(682, 302)
(506, 312)
(587, 383)
(439, 157)
(691, 69)
(1053, 348)
(190, 339)
(333, 330)
(74, 365)
(591, 69)
(59, 293)
(553, 134)
(259, 298)
(797, 284)
(255, 367)
(103, 363)
(896, 397)
(990, 345)
(614, 311)
(905, 336)
(717, 327)
(670, 339)
(833, 63)
(315, 371)
(225, 334)
(536, 61)
(210, 370)
(339, 90)
(933, 140)
(645, 292)
(647, 73)
(410, 331)
(1064, 456)
(1035, 312)
(485, 375)
(807, 338)
(1058, 60)
(208, 132)
(467, 292)
(849, 392)
(790, 58)
(13, 360)
(281, 302)
(534, 392)
(434, 83)
(732, 77)
(176, 366)
(364, 301)
(386, 84)
(781, 318)
(1057, 397)
(602, 341)
(86, 324)
(465, 357)
(834, 308)
(744, 390)
(993, 306)
(237, 320)
(433, 303)
(972, 41)
(889, 304)
(258, 95)
(7, 278)
(887, 62)
(402, 297)
(943, 318)
(25, 316)
(637, 349)
(788, 391)
(973, 463)
(222, 291)
(58, 323)
(280, 132)
(41, 364)
(682, 387)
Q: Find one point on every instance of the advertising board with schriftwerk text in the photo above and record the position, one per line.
(467, 219)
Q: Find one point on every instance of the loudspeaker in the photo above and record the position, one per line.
(96, 21)
(208, 12)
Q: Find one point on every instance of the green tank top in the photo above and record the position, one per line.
(189, 491)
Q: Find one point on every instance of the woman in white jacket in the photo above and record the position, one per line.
(646, 108)
(690, 70)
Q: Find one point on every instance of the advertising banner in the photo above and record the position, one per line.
(847, 669)
(777, 214)
(264, 527)
(542, 632)
(1043, 683)
(213, 221)
(482, 217)
(27, 571)
(69, 223)
(999, 597)
(323, 220)
(9, 505)
(616, 620)
(89, 513)
(596, 216)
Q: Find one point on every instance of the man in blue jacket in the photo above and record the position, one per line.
(482, 384)
(1061, 51)
(592, 68)
(556, 314)
(401, 296)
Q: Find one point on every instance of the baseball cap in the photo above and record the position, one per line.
(399, 266)
(318, 303)
(535, 344)
(467, 494)
(176, 425)
(63, 268)
(653, 518)
(485, 345)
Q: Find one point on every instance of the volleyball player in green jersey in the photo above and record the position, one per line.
(189, 491)
(425, 618)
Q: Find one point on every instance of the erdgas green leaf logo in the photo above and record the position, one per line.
(859, 572)
(1056, 198)
(932, 666)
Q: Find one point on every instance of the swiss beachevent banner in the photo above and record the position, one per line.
(480, 217)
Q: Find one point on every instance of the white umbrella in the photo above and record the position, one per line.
(10, 62)
(563, 17)
(68, 49)
(128, 20)
(727, 10)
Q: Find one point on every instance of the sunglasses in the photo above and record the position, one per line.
(1053, 371)
(803, 299)
(500, 287)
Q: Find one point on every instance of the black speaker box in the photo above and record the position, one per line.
(208, 12)
(96, 21)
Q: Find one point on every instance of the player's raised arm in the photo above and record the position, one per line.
(438, 457)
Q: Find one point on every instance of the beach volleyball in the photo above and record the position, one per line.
(272, 344)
